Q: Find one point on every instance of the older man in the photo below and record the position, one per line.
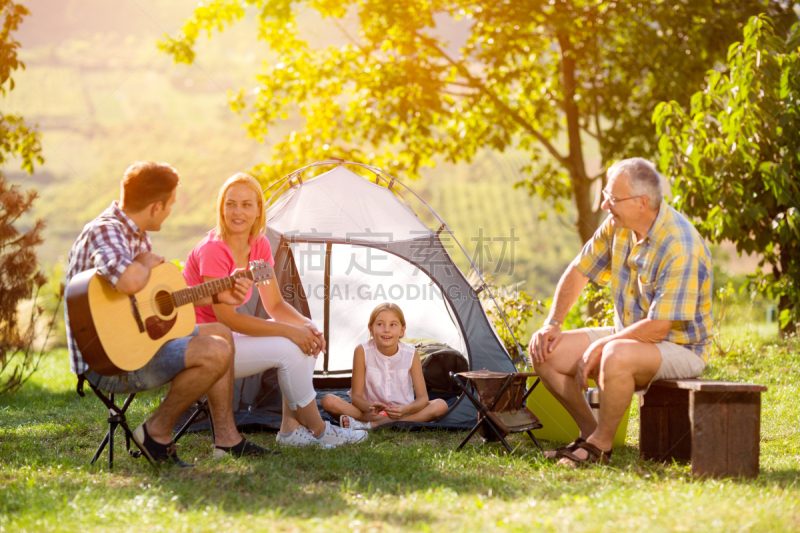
(660, 275)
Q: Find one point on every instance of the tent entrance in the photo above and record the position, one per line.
(340, 284)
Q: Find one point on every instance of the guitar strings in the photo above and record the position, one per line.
(161, 300)
(167, 298)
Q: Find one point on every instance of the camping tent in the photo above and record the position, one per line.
(342, 244)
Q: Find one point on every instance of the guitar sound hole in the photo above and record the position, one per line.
(164, 303)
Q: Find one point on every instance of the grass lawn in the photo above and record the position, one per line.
(396, 481)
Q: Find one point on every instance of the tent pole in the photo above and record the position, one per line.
(327, 313)
(489, 292)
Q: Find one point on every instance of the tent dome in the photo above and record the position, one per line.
(342, 206)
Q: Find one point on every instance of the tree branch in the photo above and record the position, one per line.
(454, 93)
(598, 175)
(589, 132)
(599, 135)
(462, 84)
(348, 36)
(476, 84)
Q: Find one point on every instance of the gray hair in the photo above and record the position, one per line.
(643, 176)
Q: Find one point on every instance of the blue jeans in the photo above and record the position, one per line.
(168, 362)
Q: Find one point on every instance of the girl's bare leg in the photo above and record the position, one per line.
(434, 409)
(337, 407)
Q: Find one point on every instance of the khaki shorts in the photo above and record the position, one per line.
(677, 362)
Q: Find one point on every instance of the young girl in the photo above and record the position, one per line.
(387, 378)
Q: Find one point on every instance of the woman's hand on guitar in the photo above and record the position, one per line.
(306, 340)
(237, 294)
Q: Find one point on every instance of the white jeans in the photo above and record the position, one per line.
(295, 369)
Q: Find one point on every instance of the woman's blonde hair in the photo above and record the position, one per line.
(260, 223)
(386, 306)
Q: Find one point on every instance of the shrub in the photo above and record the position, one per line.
(20, 276)
(517, 306)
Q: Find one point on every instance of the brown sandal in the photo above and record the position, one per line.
(558, 452)
(594, 455)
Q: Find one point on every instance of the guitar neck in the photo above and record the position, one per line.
(192, 294)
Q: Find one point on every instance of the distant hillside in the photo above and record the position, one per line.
(104, 97)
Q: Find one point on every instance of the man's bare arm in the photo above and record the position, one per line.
(568, 291)
(137, 274)
(547, 337)
(646, 330)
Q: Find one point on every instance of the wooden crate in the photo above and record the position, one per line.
(714, 424)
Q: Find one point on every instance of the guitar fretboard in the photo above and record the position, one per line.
(192, 294)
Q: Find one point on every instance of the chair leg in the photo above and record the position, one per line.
(100, 449)
(185, 427)
(497, 434)
(128, 439)
(469, 436)
(476, 403)
(200, 407)
(112, 428)
(528, 393)
(535, 440)
(491, 426)
(116, 417)
(111, 445)
(211, 423)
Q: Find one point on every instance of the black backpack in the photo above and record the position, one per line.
(439, 360)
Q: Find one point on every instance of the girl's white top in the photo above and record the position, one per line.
(388, 378)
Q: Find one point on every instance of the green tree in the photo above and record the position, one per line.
(20, 277)
(734, 158)
(541, 76)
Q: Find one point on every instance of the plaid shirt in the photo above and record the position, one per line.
(108, 243)
(666, 276)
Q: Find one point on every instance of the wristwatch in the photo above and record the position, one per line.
(551, 322)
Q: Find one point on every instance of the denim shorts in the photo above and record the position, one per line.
(168, 362)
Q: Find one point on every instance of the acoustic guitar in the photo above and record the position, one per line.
(119, 333)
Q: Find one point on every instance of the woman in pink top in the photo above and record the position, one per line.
(387, 380)
(289, 341)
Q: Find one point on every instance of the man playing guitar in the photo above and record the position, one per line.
(116, 243)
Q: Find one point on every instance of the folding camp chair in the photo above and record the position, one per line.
(200, 407)
(500, 400)
(116, 417)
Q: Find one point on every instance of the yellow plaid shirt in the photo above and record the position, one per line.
(666, 276)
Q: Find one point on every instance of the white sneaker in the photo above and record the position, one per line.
(298, 438)
(336, 436)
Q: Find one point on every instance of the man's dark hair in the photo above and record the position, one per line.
(146, 182)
